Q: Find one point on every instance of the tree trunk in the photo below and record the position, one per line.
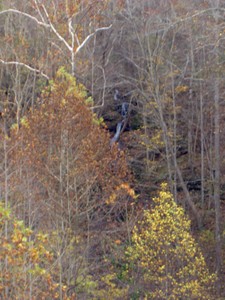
(217, 177)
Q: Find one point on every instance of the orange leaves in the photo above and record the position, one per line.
(122, 188)
(67, 153)
(128, 189)
(25, 262)
(118, 242)
(64, 170)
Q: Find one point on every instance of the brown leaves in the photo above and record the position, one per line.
(68, 154)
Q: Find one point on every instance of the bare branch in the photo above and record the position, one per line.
(90, 36)
(55, 31)
(104, 87)
(15, 11)
(24, 65)
(48, 24)
(77, 40)
(39, 12)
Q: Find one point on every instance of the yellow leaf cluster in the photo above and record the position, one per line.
(173, 266)
(181, 88)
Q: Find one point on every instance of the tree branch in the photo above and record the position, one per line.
(39, 12)
(48, 24)
(24, 65)
(15, 11)
(89, 37)
(55, 31)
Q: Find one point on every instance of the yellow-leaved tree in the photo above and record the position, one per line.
(167, 262)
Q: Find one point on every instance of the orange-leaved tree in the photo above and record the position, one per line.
(68, 179)
(25, 271)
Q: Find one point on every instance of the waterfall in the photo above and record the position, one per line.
(124, 110)
(117, 134)
(124, 113)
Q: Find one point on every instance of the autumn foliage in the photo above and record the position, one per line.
(155, 70)
(25, 260)
(167, 261)
(65, 171)
(66, 151)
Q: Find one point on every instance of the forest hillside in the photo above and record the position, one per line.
(112, 170)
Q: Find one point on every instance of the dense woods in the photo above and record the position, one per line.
(112, 180)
